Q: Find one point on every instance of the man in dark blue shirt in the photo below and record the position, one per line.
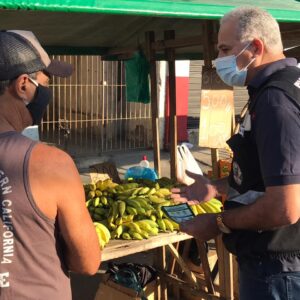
(260, 224)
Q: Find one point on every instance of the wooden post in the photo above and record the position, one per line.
(160, 264)
(190, 275)
(224, 257)
(208, 46)
(150, 38)
(170, 54)
(225, 270)
(205, 266)
(235, 285)
(214, 162)
(208, 55)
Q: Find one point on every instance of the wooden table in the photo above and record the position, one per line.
(201, 287)
(120, 248)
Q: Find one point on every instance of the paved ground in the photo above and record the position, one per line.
(84, 287)
(124, 160)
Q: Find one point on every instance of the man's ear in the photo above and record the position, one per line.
(20, 86)
(258, 47)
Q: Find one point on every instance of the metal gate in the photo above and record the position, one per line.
(89, 114)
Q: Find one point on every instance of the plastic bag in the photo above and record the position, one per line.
(134, 276)
(141, 173)
(186, 161)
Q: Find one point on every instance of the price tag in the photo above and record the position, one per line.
(178, 213)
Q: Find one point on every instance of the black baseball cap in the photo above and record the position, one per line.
(21, 53)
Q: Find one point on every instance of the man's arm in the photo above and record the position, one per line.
(279, 206)
(58, 192)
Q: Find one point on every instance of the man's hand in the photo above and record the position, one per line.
(203, 227)
(201, 190)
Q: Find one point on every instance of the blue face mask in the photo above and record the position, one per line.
(228, 70)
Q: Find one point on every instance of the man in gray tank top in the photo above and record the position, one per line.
(46, 230)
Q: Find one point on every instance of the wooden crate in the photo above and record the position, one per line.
(109, 290)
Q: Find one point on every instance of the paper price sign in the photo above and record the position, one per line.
(178, 213)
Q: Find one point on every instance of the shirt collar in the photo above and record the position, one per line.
(264, 74)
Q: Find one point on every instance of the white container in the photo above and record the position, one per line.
(144, 162)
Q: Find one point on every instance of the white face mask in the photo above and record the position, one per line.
(228, 70)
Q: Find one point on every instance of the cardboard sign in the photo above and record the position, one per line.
(216, 110)
(104, 171)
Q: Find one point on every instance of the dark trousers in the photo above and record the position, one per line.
(259, 281)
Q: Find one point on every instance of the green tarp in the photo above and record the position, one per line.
(282, 10)
(137, 78)
(96, 26)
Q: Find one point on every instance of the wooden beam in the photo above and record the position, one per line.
(190, 290)
(170, 54)
(214, 162)
(196, 40)
(208, 54)
(150, 38)
(190, 275)
(120, 248)
(220, 253)
(226, 281)
(290, 34)
(160, 264)
(229, 281)
(172, 264)
(120, 57)
(208, 43)
(118, 51)
(178, 43)
(205, 266)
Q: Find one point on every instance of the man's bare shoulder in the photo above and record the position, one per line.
(46, 152)
(50, 161)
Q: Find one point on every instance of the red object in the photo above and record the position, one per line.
(182, 93)
(144, 157)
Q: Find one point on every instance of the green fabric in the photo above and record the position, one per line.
(137, 78)
(287, 11)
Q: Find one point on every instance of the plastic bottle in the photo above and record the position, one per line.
(144, 162)
(141, 171)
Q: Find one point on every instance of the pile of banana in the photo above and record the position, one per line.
(132, 210)
(102, 233)
(211, 206)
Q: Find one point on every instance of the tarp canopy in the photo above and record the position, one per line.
(96, 26)
(287, 11)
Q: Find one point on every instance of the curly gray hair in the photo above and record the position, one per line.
(254, 22)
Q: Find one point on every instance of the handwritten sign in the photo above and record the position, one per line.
(216, 110)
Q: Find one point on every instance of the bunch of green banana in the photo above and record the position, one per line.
(211, 206)
(166, 182)
(131, 210)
